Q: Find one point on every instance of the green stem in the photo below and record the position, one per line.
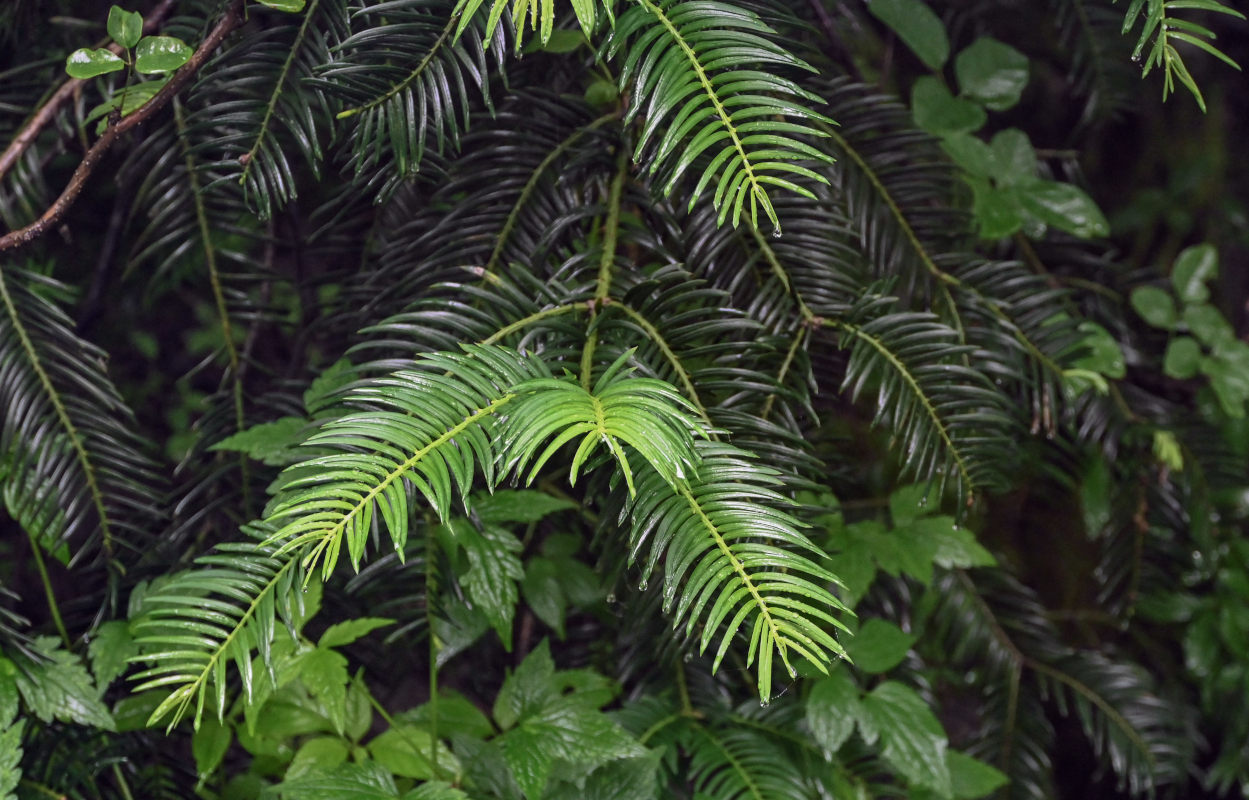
(784, 371)
(121, 782)
(529, 320)
(682, 373)
(611, 231)
(53, 607)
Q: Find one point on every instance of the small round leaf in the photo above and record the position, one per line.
(1155, 306)
(86, 63)
(125, 27)
(161, 54)
(291, 6)
(992, 73)
(1183, 358)
(1193, 268)
(937, 111)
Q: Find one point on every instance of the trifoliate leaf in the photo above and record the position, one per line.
(160, 54)
(992, 73)
(833, 708)
(85, 63)
(916, 25)
(879, 646)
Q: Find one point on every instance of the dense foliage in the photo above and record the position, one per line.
(707, 399)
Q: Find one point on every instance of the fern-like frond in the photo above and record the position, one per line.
(426, 429)
(733, 557)
(401, 75)
(257, 105)
(706, 75)
(731, 762)
(77, 472)
(200, 621)
(948, 422)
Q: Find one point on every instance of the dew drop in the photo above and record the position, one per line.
(793, 673)
(764, 703)
(642, 586)
(776, 233)
(611, 598)
(688, 657)
(923, 501)
(1136, 58)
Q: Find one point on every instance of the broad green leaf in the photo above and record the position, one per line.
(209, 744)
(1102, 352)
(992, 73)
(405, 751)
(833, 707)
(289, 6)
(157, 54)
(543, 592)
(273, 443)
(971, 153)
(1154, 305)
(1208, 324)
(937, 111)
(957, 547)
(341, 782)
(518, 505)
(997, 210)
(344, 633)
(85, 63)
(125, 27)
(127, 100)
(1014, 157)
(1228, 370)
(61, 689)
(435, 790)
(1065, 207)
(321, 752)
(1183, 358)
(911, 737)
(879, 646)
(622, 779)
(971, 778)
(527, 689)
(10, 731)
(110, 650)
(456, 716)
(917, 26)
(1194, 268)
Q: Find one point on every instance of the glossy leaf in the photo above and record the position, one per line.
(916, 25)
(991, 73)
(85, 63)
(156, 54)
(125, 27)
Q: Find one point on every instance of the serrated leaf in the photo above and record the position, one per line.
(324, 673)
(110, 650)
(344, 633)
(125, 27)
(494, 570)
(833, 708)
(343, 782)
(518, 505)
(61, 689)
(1102, 352)
(527, 689)
(879, 646)
(917, 26)
(912, 739)
(991, 73)
(326, 386)
(273, 443)
(971, 778)
(88, 63)
(155, 54)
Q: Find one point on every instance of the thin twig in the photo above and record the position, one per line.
(48, 111)
(228, 22)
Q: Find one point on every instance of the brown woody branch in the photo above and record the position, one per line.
(48, 111)
(232, 18)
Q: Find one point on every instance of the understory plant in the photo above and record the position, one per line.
(742, 400)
